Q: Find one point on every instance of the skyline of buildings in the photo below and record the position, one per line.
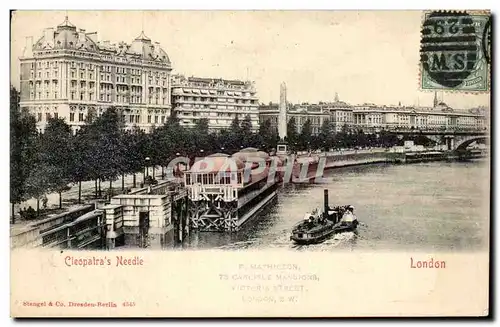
(276, 49)
(68, 73)
(373, 118)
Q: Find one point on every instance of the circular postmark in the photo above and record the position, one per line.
(486, 41)
(449, 48)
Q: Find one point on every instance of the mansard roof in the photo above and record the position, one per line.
(67, 36)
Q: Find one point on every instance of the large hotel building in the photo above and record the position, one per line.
(218, 100)
(67, 73)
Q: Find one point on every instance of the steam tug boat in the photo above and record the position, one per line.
(318, 226)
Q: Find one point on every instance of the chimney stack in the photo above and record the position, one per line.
(28, 48)
(326, 207)
(81, 35)
(48, 36)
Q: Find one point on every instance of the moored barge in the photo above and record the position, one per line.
(227, 191)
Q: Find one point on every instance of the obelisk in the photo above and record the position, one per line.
(282, 112)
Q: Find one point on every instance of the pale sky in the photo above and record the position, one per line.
(365, 56)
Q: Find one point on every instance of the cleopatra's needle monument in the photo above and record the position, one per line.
(282, 121)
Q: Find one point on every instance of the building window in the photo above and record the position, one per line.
(39, 118)
(56, 115)
(47, 94)
(39, 95)
(47, 116)
(108, 97)
(80, 116)
(81, 96)
(71, 116)
(149, 118)
(156, 119)
(90, 96)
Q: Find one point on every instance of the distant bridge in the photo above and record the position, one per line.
(454, 139)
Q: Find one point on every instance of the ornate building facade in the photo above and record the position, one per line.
(217, 100)
(68, 74)
(373, 118)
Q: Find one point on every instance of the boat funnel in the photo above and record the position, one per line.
(325, 210)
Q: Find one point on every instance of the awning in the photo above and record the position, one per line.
(230, 93)
(196, 91)
(212, 92)
(187, 90)
(204, 91)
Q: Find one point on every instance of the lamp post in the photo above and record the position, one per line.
(146, 162)
(177, 168)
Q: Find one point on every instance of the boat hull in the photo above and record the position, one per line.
(336, 229)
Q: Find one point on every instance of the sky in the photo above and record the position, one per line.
(364, 56)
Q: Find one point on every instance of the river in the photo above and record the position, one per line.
(441, 206)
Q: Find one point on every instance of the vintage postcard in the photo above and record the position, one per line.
(250, 163)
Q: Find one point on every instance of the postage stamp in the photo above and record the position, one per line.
(455, 51)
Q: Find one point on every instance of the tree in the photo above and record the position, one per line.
(246, 130)
(56, 155)
(134, 142)
(305, 136)
(235, 135)
(109, 152)
(326, 136)
(23, 140)
(266, 134)
(38, 182)
(83, 166)
(200, 135)
(291, 132)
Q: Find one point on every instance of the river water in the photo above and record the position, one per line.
(442, 206)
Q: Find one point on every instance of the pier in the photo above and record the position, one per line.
(149, 217)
